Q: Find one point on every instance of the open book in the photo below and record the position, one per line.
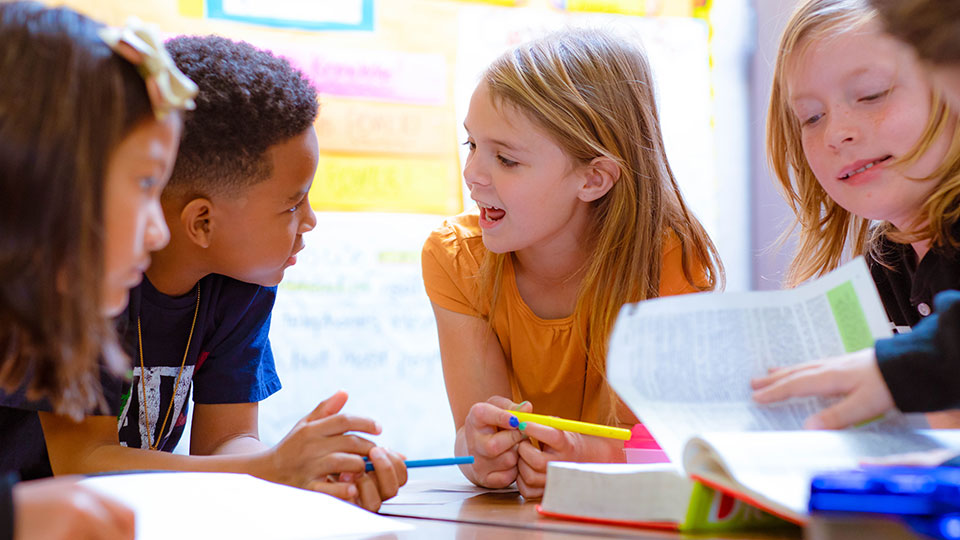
(683, 365)
(723, 479)
(772, 470)
(653, 495)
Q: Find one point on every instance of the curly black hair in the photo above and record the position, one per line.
(249, 100)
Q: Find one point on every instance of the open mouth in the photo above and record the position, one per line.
(491, 214)
(864, 168)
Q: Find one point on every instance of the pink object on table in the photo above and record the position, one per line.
(643, 448)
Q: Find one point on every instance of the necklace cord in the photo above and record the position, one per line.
(143, 385)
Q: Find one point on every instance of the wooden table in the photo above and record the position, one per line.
(509, 516)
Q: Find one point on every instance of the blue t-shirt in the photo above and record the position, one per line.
(229, 361)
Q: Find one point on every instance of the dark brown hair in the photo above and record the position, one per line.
(66, 101)
(931, 26)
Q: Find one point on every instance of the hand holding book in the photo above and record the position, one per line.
(854, 376)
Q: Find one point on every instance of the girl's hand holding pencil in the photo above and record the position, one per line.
(488, 437)
(560, 439)
(511, 444)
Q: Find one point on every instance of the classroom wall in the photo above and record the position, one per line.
(769, 213)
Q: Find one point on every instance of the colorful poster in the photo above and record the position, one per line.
(324, 15)
(370, 183)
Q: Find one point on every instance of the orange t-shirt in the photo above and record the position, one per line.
(546, 360)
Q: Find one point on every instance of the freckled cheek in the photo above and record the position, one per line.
(813, 153)
(906, 126)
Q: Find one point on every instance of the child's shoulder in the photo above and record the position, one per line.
(462, 226)
(457, 242)
(232, 297)
(228, 286)
(457, 233)
(218, 292)
(673, 278)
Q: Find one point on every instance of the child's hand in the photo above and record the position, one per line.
(61, 509)
(558, 445)
(854, 376)
(389, 473)
(555, 445)
(492, 442)
(318, 448)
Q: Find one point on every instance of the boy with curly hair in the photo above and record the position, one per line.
(237, 208)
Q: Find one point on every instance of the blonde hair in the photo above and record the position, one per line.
(828, 232)
(592, 93)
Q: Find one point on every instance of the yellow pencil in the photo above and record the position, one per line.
(575, 426)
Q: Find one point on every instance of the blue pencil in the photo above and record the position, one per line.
(411, 463)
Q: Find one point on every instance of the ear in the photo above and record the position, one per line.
(197, 221)
(598, 178)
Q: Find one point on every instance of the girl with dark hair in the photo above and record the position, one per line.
(89, 124)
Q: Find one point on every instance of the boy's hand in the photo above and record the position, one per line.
(62, 509)
(318, 447)
(492, 442)
(853, 376)
(389, 473)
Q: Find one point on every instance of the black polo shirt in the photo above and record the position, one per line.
(922, 368)
(906, 288)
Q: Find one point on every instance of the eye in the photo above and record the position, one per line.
(470, 145)
(297, 206)
(874, 97)
(811, 120)
(506, 162)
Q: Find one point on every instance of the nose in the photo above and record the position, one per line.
(310, 221)
(156, 234)
(473, 173)
(841, 129)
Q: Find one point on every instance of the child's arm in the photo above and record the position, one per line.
(61, 509)
(227, 428)
(854, 376)
(315, 448)
(474, 369)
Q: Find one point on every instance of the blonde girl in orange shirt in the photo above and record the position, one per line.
(578, 213)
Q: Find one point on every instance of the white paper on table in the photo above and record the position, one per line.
(186, 505)
(440, 492)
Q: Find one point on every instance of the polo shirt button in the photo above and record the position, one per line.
(924, 309)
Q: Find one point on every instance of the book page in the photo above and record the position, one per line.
(684, 363)
(776, 467)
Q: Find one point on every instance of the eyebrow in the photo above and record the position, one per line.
(860, 72)
(498, 142)
(295, 197)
